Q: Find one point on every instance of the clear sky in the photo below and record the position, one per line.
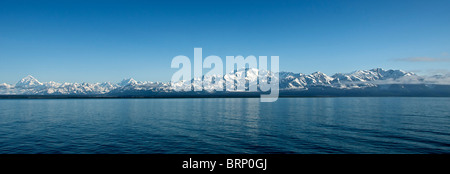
(97, 41)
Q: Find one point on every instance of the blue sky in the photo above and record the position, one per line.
(97, 41)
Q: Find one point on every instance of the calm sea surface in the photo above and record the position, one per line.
(232, 125)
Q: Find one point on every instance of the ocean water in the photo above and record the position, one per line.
(225, 125)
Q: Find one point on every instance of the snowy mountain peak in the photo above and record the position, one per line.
(29, 78)
(27, 82)
(319, 74)
(4, 85)
(377, 69)
(128, 82)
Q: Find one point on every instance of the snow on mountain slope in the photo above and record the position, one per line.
(371, 75)
(28, 82)
(4, 85)
(128, 82)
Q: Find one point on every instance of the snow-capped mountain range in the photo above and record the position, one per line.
(289, 81)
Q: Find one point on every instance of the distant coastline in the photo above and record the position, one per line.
(392, 90)
(363, 83)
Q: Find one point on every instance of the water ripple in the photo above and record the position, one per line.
(290, 125)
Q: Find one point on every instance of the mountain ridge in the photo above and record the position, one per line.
(289, 81)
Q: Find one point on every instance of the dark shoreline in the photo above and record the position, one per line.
(393, 90)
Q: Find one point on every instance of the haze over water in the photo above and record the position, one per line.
(226, 125)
